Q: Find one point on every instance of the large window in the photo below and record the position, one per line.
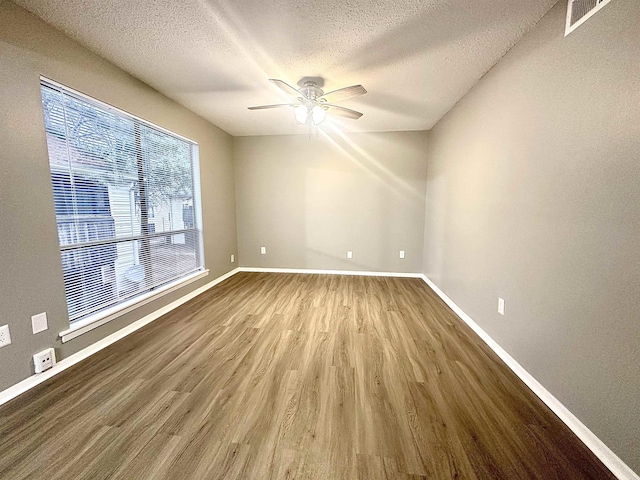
(126, 204)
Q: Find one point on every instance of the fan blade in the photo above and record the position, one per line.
(262, 107)
(345, 112)
(344, 93)
(286, 88)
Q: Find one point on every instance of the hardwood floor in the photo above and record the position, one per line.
(295, 377)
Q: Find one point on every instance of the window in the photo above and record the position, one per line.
(126, 204)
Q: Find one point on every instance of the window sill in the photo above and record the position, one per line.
(94, 321)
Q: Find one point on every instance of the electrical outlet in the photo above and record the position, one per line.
(5, 336)
(263, 250)
(401, 253)
(500, 306)
(349, 254)
(44, 360)
(233, 258)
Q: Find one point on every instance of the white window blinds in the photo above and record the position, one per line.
(125, 201)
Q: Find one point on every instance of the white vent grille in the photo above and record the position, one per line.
(578, 11)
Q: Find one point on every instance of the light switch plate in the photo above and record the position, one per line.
(500, 306)
(39, 323)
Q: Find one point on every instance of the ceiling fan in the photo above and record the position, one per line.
(313, 104)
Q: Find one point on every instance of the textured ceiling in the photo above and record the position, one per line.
(416, 58)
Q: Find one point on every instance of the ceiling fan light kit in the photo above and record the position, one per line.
(304, 112)
(313, 104)
(300, 112)
(318, 114)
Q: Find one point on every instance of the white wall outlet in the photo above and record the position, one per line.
(263, 250)
(44, 360)
(233, 258)
(349, 254)
(500, 306)
(401, 253)
(5, 336)
(39, 323)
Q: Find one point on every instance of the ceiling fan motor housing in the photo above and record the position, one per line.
(311, 91)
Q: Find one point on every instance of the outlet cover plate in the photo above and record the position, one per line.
(39, 323)
(5, 336)
(500, 306)
(349, 254)
(44, 360)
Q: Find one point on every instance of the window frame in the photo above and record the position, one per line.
(108, 313)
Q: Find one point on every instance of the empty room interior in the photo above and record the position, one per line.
(323, 240)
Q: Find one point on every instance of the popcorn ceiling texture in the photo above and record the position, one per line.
(416, 58)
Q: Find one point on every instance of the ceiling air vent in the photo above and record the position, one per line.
(579, 11)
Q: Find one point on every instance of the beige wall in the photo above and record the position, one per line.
(533, 195)
(309, 200)
(30, 267)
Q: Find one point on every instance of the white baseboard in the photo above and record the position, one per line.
(71, 360)
(600, 450)
(330, 272)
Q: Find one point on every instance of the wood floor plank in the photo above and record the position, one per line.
(292, 376)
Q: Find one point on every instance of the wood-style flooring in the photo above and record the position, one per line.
(293, 376)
